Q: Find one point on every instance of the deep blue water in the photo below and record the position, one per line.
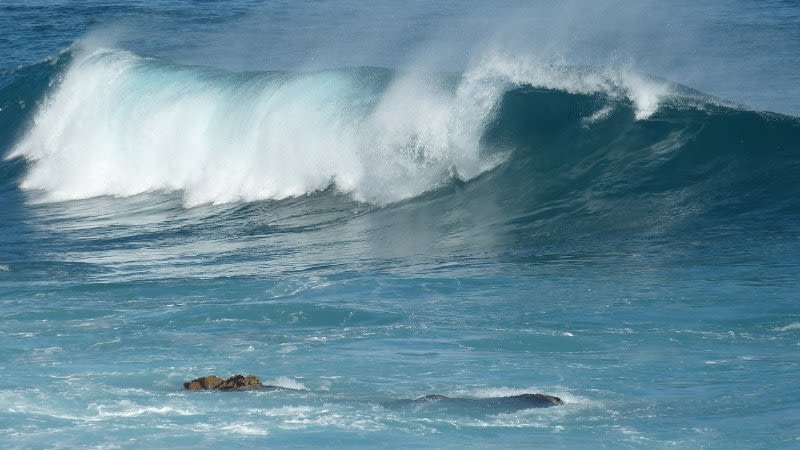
(368, 205)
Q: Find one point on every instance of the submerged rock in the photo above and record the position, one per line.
(236, 382)
(537, 399)
(433, 397)
(511, 402)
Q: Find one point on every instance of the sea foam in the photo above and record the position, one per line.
(119, 124)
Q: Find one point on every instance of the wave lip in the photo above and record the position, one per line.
(645, 93)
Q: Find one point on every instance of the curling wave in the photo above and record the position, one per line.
(120, 124)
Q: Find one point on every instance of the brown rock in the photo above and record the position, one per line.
(193, 385)
(240, 382)
(203, 383)
(215, 382)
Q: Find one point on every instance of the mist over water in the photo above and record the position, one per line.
(373, 207)
(742, 50)
(120, 124)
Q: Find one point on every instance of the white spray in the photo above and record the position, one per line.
(119, 124)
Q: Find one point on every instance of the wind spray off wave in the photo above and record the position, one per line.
(120, 124)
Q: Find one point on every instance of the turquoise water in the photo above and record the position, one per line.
(365, 224)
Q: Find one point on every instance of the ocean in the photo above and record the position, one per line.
(402, 217)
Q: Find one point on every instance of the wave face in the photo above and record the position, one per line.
(581, 161)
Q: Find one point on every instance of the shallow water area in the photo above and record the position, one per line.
(632, 367)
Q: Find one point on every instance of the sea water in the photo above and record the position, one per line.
(366, 205)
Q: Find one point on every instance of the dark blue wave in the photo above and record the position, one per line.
(687, 161)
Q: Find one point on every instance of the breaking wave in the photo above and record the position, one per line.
(119, 124)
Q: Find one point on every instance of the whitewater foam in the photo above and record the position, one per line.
(129, 409)
(119, 124)
(288, 383)
(791, 327)
(247, 429)
(621, 83)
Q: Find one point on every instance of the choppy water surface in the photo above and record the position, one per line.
(366, 229)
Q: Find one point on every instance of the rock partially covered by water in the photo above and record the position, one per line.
(539, 398)
(434, 397)
(240, 382)
(521, 400)
(203, 383)
(236, 382)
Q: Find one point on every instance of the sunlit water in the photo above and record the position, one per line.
(365, 236)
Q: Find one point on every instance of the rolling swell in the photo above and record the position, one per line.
(687, 160)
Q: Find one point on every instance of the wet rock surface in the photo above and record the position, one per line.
(236, 382)
(543, 399)
(433, 397)
(468, 405)
(478, 406)
(533, 399)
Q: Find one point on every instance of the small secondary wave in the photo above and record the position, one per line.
(795, 326)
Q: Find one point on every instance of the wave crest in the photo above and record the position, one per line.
(120, 124)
